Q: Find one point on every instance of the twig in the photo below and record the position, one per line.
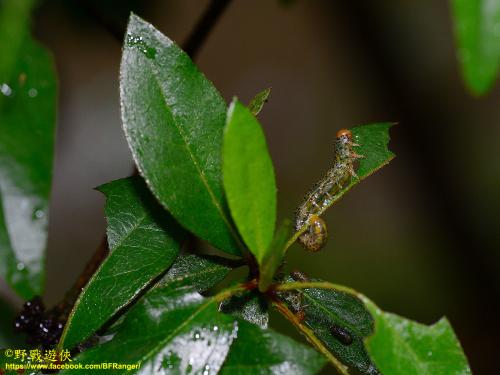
(310, 336)
(204, 26)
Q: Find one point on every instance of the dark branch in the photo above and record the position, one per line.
(204, 26)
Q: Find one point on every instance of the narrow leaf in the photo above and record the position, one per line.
(477, 24)
(173, 119)
(143, 240)
(271, 354)
(27, 125)
(249, 179)
(404, 346)
(257, 103)
(274, 256)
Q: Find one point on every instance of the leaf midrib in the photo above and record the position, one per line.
(201, 173)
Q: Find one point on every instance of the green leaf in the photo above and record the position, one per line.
(404, 346)
(171, 329)
(271, 354)
(14, 18)
(173, 119)
(477, 24)
(274, 256)
(326, 310)
(257, 103)
(249, 179)
(143, 241)
(251, 307)
(174, 330)
(27, 125)
(199, 272)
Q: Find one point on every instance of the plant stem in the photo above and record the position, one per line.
(317, 285)
(204, 26)
(229, 292)
(310, 336)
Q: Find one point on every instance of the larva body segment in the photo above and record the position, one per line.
(324, 192)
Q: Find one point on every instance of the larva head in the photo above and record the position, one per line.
(344, 134)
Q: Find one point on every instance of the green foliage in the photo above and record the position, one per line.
(257, 103)
(199, 272)
(251, 307)
(477, 29)
(143, 241)
(249, 179)
(271, 354)
(205, 170)
(27, 124)
(404, 346)
(173, 119)
(175, 330)
(328, 309)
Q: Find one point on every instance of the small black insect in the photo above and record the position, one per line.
(341, 334)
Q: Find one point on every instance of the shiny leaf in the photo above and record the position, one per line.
(143, 240)
(251, 307)
(264, 352)
(249, 179)
(257, 103)
(199, 272)
(171, 330)
(27, 126)
(173, 119)
(404, 346)
(477, 29)
(340, 320)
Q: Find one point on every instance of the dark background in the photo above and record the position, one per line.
(420, 237)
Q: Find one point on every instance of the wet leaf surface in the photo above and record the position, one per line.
(173, 119)
(28, 96)
(144, 241)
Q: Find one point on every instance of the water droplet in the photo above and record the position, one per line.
(196, 335)
(38, 214)
(5, 89)
(206, 370)
(32, 92)
(215, 329)
(139, 43)
(20, 266)
(171, 360)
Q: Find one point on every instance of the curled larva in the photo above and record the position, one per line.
(316, 235)
(324, 192)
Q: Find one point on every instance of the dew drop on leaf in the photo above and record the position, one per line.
(139, 43)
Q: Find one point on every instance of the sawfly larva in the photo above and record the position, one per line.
(324, 192)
